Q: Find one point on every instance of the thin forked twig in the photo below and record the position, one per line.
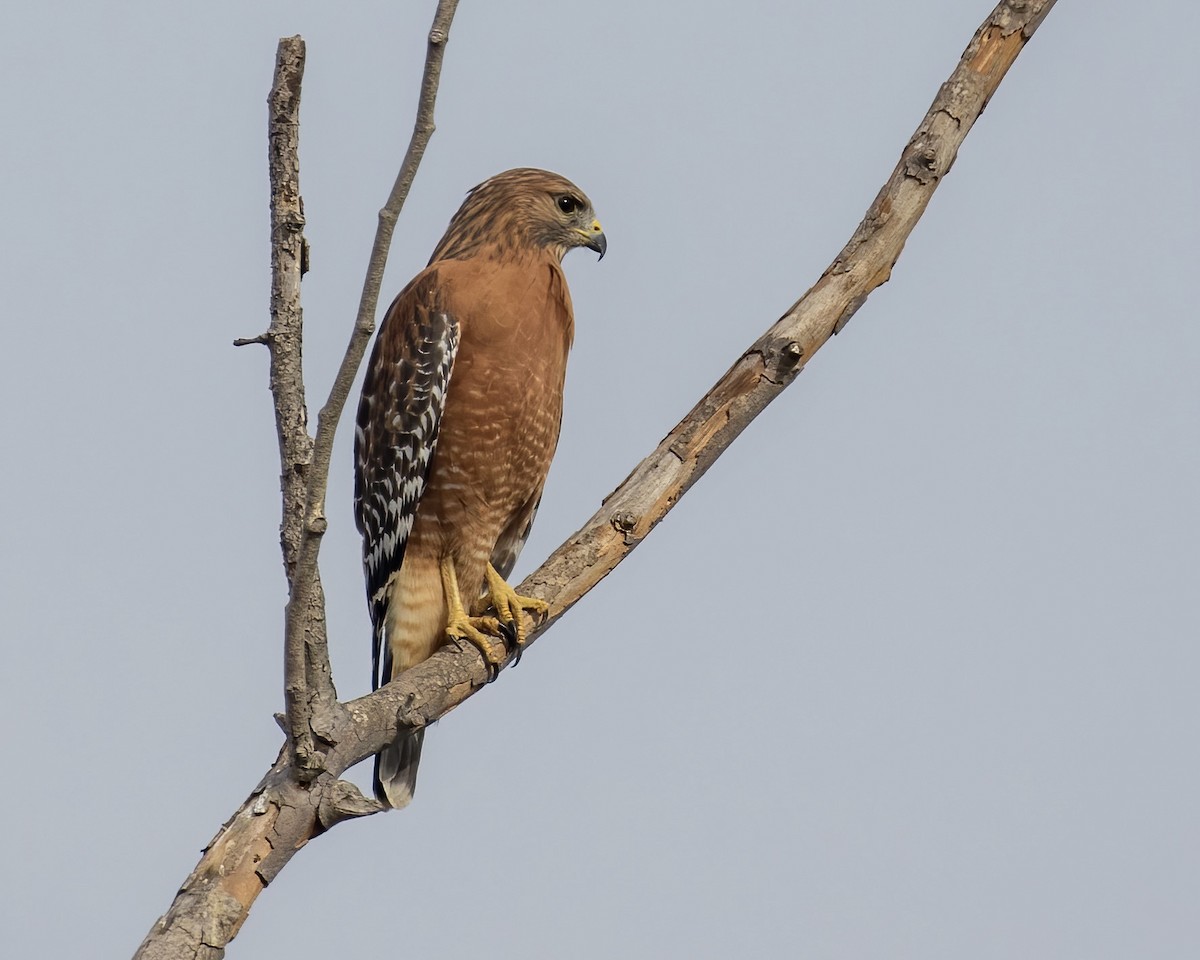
(306, 654)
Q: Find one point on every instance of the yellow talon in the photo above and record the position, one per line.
(485, 632)
(480, 632)
(509, 605)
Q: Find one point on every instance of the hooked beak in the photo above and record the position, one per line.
(594, 239)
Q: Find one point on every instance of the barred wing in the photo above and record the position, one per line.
(403, 397)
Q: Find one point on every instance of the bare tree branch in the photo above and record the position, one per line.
(308, 683)
(779, 355)
(431, 689)
(214, 901)
(284, 812)
(285, 335)
(285, 340)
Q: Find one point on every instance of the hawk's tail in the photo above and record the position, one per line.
(396, 769)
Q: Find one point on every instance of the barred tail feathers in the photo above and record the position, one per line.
(396, 770)
(412, 628)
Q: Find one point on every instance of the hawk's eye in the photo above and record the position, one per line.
(568, 204)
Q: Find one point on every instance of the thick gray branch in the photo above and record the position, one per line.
(430, 690)
(285, 335)
(302, 688)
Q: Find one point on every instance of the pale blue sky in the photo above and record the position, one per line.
(911, 673)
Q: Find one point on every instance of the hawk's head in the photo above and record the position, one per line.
(522, 210)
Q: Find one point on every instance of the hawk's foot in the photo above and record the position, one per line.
(509, 605)
(483, 633)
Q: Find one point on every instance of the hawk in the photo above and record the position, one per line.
(457, 424)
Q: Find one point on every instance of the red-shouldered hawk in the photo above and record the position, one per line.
(457, 424)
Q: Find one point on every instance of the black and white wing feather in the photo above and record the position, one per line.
(403, 397)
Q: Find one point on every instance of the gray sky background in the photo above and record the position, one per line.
(911, 673)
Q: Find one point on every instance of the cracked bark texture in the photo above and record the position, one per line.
(285, 811)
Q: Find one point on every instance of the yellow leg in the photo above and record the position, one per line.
(509, 605)
(480, 632)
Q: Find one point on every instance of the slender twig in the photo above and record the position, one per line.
(364, 324)
(308, 675)
(282, 814)
(246, 341)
